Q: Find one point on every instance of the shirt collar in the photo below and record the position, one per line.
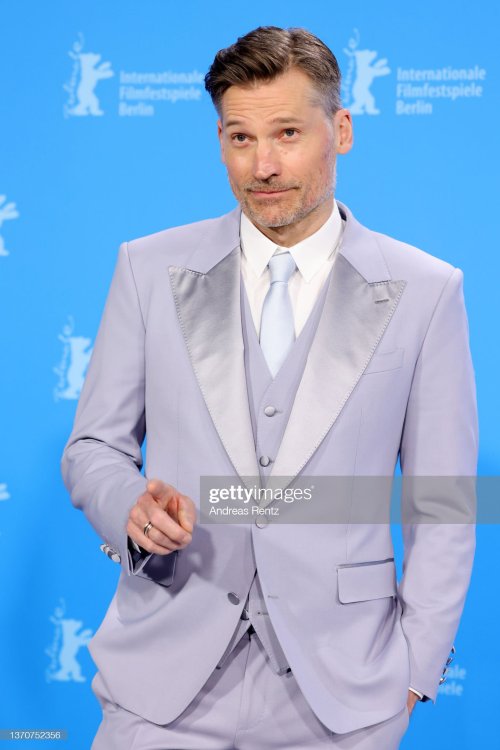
(308, 254)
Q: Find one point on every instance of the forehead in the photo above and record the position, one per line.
(285, 96)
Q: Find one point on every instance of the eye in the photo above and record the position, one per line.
(290, 130)
(238, 136)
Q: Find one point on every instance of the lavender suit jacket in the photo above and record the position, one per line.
(389, 374)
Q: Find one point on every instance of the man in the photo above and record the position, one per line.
(283, 339)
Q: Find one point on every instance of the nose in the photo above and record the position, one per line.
(266, 161)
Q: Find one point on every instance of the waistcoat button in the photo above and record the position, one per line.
(264, 460)
(233, 598)
(270, 411)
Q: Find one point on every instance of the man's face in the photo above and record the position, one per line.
(279, 147)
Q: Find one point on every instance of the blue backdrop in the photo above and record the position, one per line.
(107, 134)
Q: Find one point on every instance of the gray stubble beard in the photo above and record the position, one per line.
(299, 214)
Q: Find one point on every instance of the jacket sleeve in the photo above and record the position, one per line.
(438, 456)
(102, 459)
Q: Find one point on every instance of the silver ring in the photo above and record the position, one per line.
(148, 526)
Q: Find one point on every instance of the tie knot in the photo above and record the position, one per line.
(281, 266)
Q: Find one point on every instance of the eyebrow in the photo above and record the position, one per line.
(275, 120)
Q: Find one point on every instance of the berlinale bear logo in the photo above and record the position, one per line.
(68, 640)
(86, 74)
(359, 77)
(71, 369)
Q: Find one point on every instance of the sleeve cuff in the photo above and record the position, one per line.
(134, 545)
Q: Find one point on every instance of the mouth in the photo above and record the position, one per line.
(269, 193)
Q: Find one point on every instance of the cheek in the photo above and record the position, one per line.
(316, 175)
(237, 168)
(321, 174)
(326, 157)
(315, 163)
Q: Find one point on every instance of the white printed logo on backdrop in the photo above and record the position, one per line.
(86, 73)
(4, 493)
(7, 211)
(67, 641)
(73, 364)
(138, 93)
(362, 69)
(417, 90)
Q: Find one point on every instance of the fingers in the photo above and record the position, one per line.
(166, 535)
(136, 532)
(186, 514)
(180, 507)
(161, 491)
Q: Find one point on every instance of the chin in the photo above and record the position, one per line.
(278, 222)
(273, 217)
(271, 221)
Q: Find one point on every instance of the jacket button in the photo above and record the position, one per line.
(264, 460)
(270, 411)
(233, 598)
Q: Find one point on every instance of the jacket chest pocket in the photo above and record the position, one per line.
(383, 361)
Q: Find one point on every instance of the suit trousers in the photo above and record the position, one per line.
(244, 705)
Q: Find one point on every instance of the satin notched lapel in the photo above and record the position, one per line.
(360, 302)
(208, 307)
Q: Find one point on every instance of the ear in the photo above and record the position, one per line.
(344, 135)
(221, 141)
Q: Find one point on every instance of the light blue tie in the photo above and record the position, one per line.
(277, 331)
